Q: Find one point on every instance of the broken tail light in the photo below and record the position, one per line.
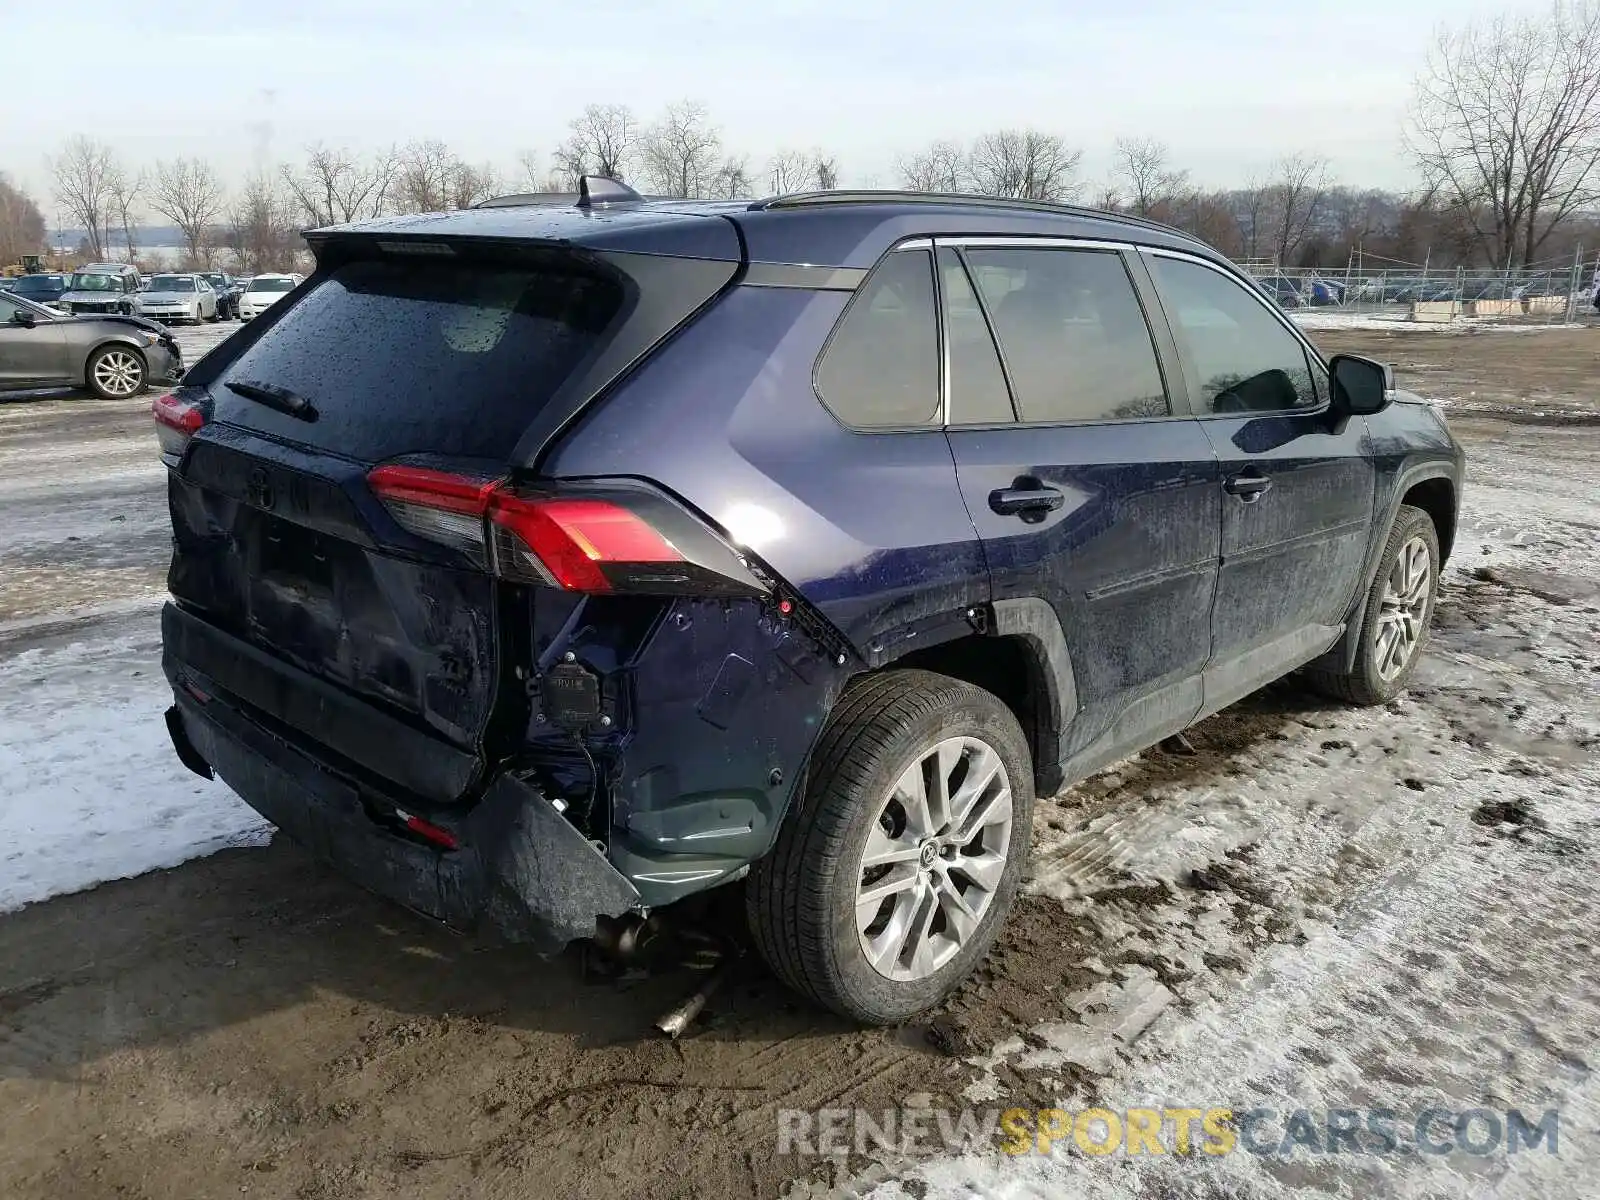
(177, 420)
(591, 537)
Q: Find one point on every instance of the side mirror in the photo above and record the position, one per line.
(1360, 386)
(24, 318)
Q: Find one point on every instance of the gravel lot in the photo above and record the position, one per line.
(1320, 907)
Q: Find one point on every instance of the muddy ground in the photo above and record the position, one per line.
(248, 1024)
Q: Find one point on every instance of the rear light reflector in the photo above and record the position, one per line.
(177, 420)
(427, 830)
(595, 537)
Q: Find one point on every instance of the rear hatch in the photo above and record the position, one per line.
(330, 482)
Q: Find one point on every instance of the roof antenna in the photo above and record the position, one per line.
(599, 190)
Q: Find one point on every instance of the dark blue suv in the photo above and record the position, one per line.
(547, 563)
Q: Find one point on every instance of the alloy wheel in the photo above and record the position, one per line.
(118, 373)
(934, 859)
(1403, 609)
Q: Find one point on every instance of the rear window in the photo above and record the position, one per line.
(270, 285)
(435, 358)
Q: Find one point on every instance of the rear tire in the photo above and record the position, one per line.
(881, 941)
(1395, 618)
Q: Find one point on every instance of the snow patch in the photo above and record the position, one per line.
(90, 788)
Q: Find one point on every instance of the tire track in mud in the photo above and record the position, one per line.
(1419, 932)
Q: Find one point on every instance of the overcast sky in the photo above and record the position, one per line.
(1229, 84)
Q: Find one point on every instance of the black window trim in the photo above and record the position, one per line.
(994, 340)
(1161, 345)
(1313, 356)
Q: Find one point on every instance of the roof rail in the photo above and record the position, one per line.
(593, 191)
(865, 196)
(519, 199)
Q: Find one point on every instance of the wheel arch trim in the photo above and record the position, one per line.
(1033, 623)
(1341, 657)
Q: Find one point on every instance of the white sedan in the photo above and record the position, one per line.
(262, 292)
(178, 298)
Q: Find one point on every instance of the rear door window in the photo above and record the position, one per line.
(1075, 340)
(881, 368)
(431, 358)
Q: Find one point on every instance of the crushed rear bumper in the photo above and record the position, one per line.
(521, 872)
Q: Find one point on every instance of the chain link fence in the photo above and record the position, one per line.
(1550, 293)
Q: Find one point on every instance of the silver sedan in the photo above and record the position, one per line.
(172, 298)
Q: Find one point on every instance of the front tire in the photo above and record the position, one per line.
(1395, 619)
(115, 372)
(892, 874)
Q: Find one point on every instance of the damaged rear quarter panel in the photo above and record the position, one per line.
(868, 531)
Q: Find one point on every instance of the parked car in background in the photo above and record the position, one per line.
(101, 288)
(1282, 289)
(179, 298)
(227, 298)
(112, 356)
(7, 282)
(1323, 292)
(41, 289)
(540, 571)
(262, 292)
(1408, 291)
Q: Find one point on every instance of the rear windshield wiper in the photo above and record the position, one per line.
(290, 403)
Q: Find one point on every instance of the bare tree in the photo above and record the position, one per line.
(681, 152)
(188, 192)
(790, 171)
(22, 229)
(1506, 120)
(603, 140)
(1293, 202)
(1024, 164)
(471, 184)
(733, 179)
(1143, 168)
(825, 170)
(532, 174)
(431, 177)
(260, 225)
(1107, 197)
(125, 189)
(334, 186)
(942, 167)
(1249, 205)
(82, 173)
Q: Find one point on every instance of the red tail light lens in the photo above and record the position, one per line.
(621, 539)
(569, 542)
(177, 420)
